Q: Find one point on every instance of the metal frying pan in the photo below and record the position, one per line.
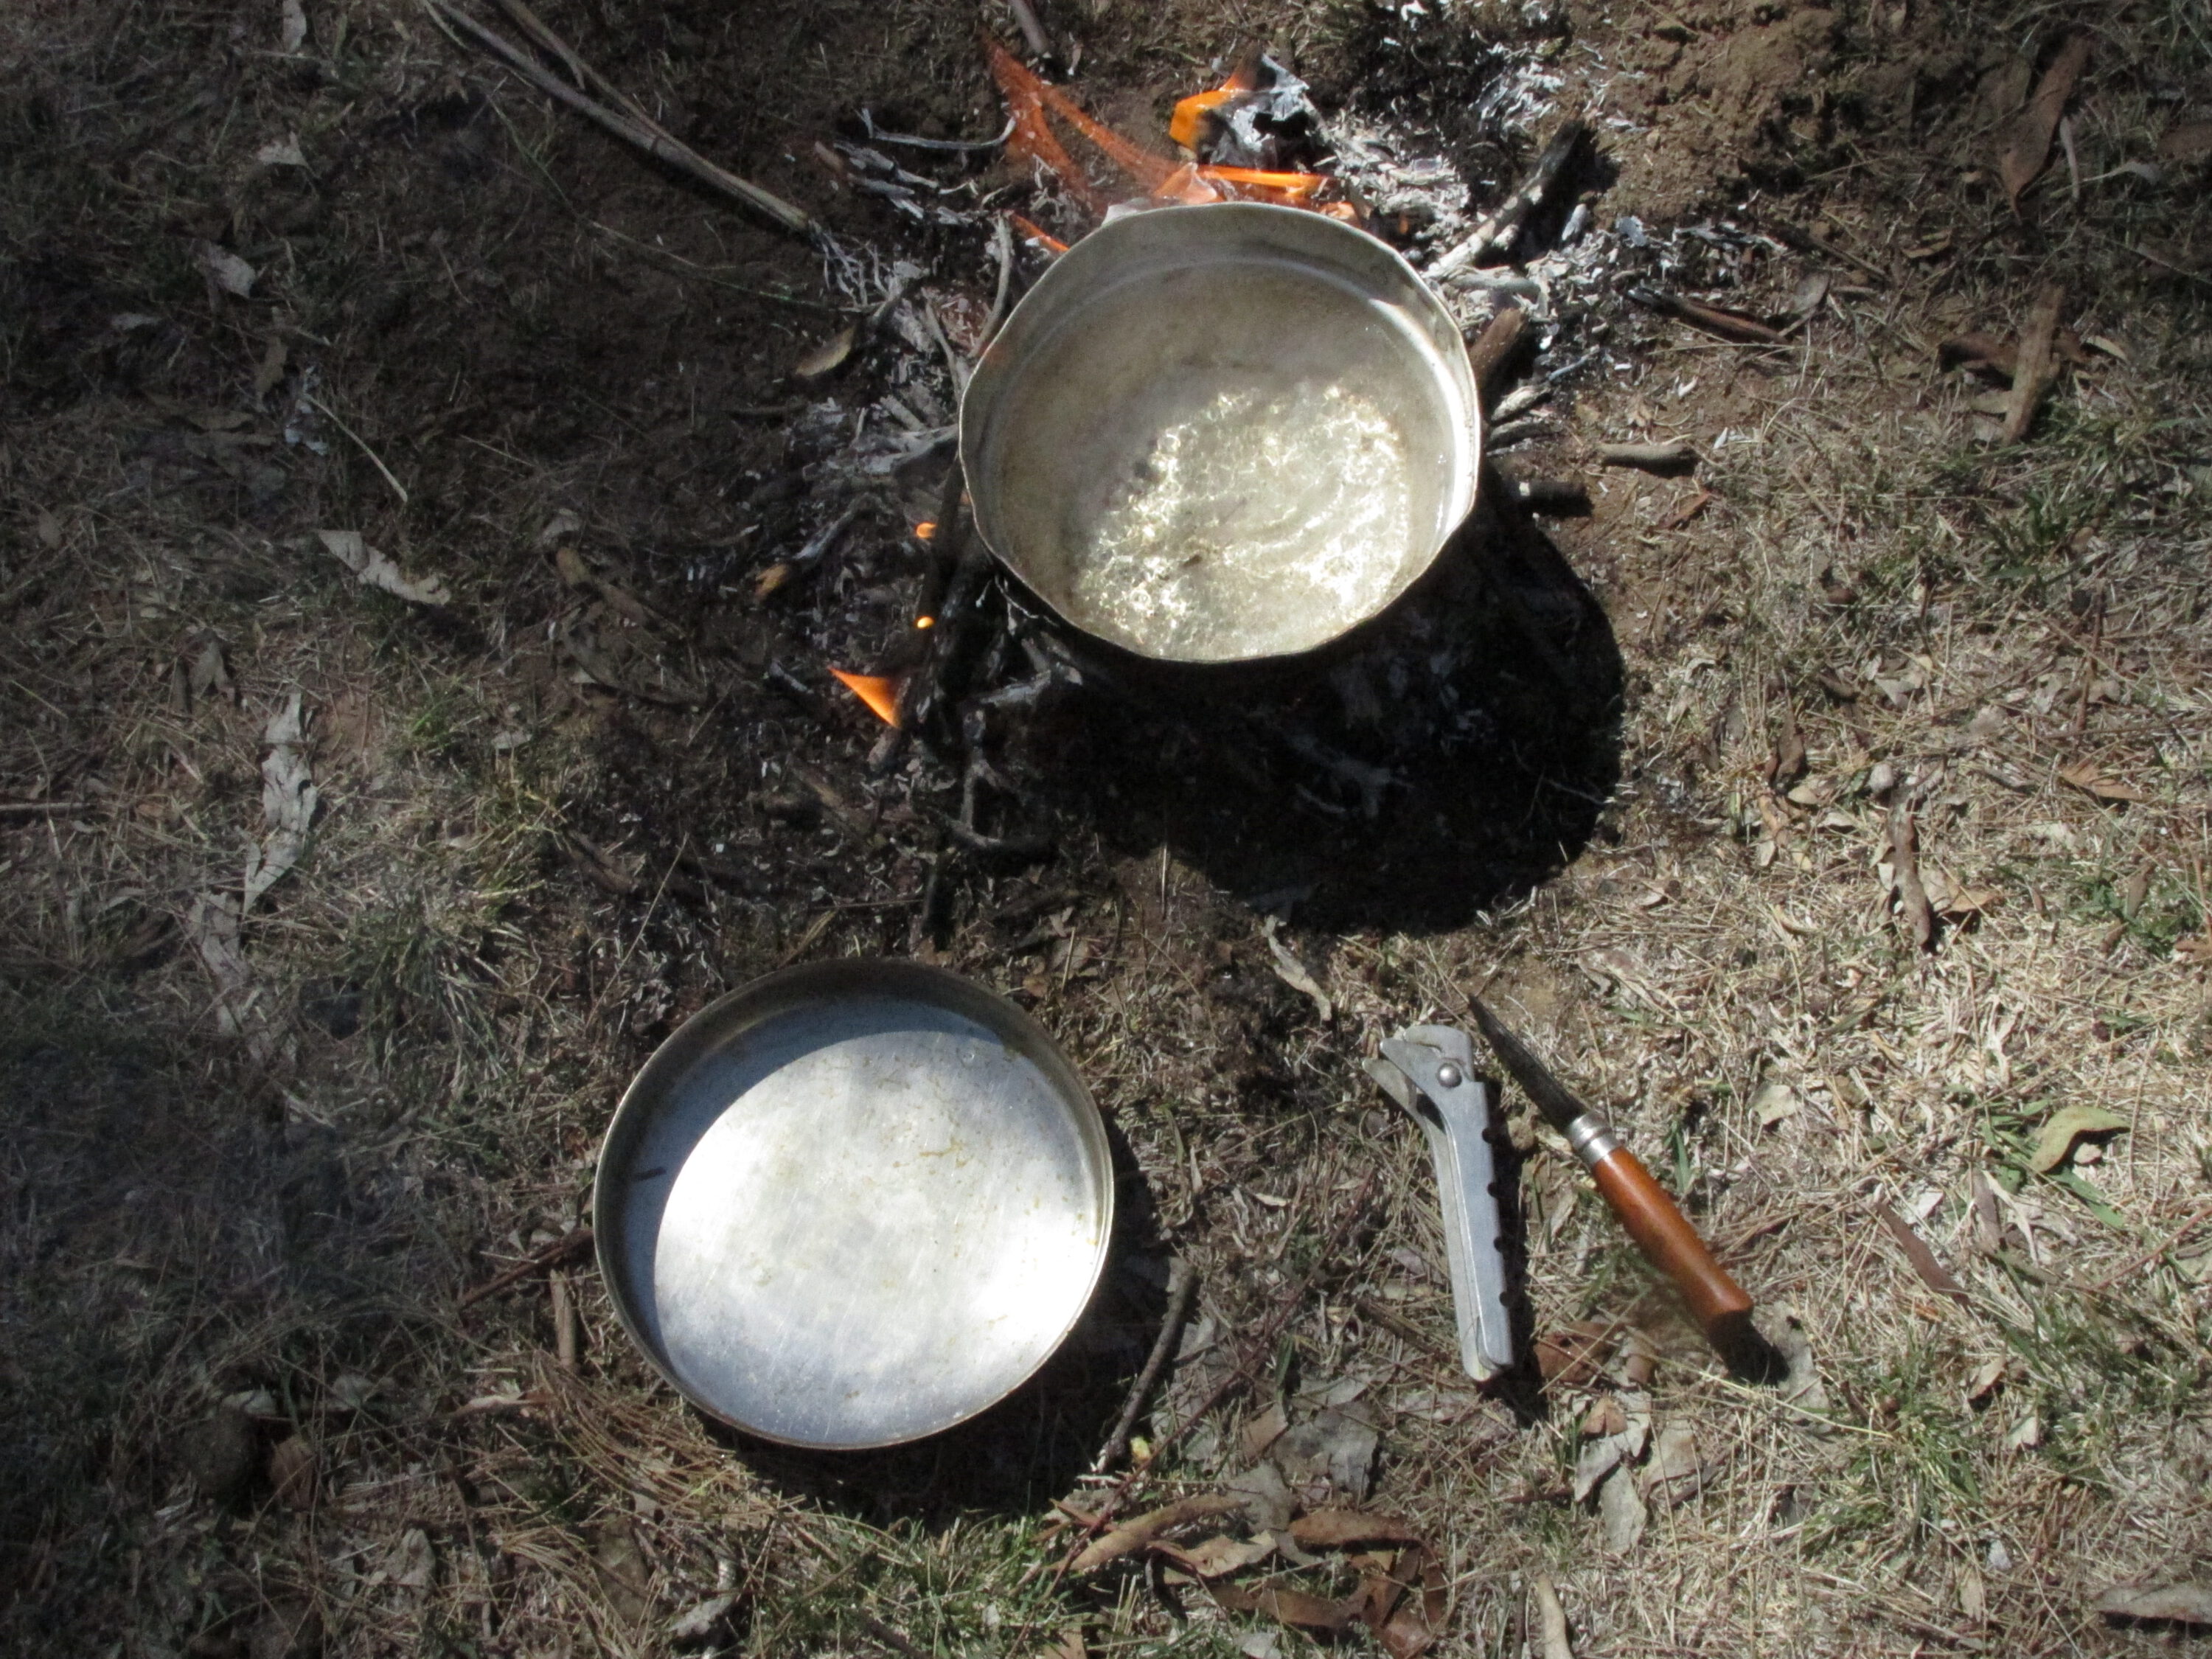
(854, 1203)
(1215, 433)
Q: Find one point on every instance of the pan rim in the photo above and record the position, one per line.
(843, 979)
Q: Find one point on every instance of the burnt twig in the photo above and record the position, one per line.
(1033, 34)
(1182, 1286)
(1493, 346)
(1728, 324)
(1498, 230)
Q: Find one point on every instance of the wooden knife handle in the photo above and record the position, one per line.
(1671, 1244)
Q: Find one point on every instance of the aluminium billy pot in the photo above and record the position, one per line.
(1217, 434)
(854, 1203)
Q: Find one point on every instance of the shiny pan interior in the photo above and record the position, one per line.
(1222, 432)
(854, 1203)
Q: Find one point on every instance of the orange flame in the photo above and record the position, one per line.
(1295, 189)
(1188, 125)
(879, 692)
(1031, 233)
(925, 529)
(1028, 98)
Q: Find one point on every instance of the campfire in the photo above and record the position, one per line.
(1408, 736)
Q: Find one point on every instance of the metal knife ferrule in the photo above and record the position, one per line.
(1591, 1138)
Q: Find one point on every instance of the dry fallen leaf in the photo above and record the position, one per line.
(1622, 1513)
(376, 570)
(288, 799)
(208, 675)
(2027, 138)
(1988, 1376)
(1290, 1607)
(2035, 369)
(1677, 1472)
(1773, 1102)
(2188, 141)
(1219, 1555)
(2180, 1604)
(231, 274)
(1296, 975)
(826, 358)
(1600, 1457)
(2195, 949)
(1552, 1637)
(1568, 1356)
(1153, 1524)
(1262, 1431)
(1329, 1529)
(1604, 1417)
(1406, 1606)
(292, 1471)
(2054, 1142)
(2085, 777)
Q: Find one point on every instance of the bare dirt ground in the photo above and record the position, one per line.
(333, 923)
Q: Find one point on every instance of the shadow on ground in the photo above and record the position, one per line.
(1442, 761)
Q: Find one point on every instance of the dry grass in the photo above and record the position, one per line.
(456, 1003)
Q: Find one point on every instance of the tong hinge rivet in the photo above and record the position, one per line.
(1449, 1075)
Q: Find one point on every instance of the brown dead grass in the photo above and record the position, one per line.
(457, 1003)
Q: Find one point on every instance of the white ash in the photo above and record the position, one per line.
(1399, 176)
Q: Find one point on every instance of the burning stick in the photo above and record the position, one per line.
(1497, 231)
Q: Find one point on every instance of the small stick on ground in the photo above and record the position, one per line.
(1182, 1286)
(1032, 28)
(1904, 861)
(564, 1319)
(1493, 346)
(1262, 1344)
(896, 1641)
(2155, 1252)
(361, 443)
(1673, 456)
(2033, 372)
(41, 809)
(574, 1243)
(633, 128)
(1497, 231)
(1725, 324)
(1135, 1535)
